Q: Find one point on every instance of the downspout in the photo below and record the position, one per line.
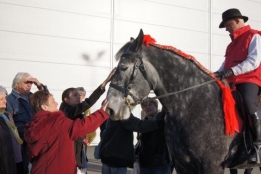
(210, 35)
(112, 34)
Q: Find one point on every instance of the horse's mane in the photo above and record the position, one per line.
(122, 49)
(148, 40)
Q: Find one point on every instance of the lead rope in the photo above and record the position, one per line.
(186, 89)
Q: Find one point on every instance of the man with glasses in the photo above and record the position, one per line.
(18, 104)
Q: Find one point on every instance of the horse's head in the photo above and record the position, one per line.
(130, 84)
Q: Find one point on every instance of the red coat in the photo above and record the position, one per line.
(50, 138)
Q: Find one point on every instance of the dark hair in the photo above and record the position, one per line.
(66, 93)
(153, 101)
(39, 98)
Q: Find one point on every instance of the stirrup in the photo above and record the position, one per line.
(257, 154)
(256, 150)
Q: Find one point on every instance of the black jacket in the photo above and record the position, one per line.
(153, 151)
(117, 149)
(7, 161)
(74, 112)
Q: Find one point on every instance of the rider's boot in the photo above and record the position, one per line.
(255, 127)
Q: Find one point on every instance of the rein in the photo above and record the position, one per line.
(186, 89)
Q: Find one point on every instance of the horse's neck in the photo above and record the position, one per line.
(177, 74)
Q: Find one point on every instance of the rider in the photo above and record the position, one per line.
(242, 68)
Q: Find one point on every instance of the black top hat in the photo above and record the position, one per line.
(229, 14)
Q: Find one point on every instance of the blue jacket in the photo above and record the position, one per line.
(21, 110)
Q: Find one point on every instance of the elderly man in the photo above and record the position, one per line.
(242, 68)
(18, 104)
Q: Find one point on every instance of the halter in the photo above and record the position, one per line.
(138, 65)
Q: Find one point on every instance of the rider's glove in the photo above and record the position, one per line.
(223, 74)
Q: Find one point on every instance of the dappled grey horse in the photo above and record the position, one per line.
(195, 125)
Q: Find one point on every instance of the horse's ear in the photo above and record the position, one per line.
(137, 42)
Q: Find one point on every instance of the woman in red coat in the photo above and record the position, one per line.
(50, 135)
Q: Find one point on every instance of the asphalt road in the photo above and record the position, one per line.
(94, 166)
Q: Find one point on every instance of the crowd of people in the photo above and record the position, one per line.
(33, 130)
(53, 141)
(36, 132)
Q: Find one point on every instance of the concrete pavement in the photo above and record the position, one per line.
(94, 166)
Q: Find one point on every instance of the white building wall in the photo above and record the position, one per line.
(66, 43)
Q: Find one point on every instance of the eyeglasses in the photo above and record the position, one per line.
(44, 92)
(27, 82)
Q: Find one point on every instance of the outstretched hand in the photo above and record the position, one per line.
(105, 105)
(108, 79)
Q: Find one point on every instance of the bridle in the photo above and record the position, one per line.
(138, 65)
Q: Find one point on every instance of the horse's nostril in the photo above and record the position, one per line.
(109, 112)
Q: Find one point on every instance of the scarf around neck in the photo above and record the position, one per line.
(12, 127)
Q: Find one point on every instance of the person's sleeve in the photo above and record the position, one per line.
(142, 126)
(221, 68)
(253, 59)
(80, 127)
(94, 96)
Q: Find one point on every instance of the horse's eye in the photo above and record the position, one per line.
(123, 67)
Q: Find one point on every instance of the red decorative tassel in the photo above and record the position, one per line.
(229, 111)
(147, 39)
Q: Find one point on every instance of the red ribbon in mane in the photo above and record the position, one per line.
(227, 98)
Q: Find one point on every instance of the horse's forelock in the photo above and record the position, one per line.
(122, 50)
